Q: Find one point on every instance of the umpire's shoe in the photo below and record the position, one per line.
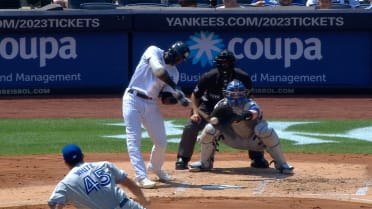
(258, 159)
(260, 163)
(198, 167)
(181, 164)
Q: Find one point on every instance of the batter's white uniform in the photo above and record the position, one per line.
(138, 110)
(94, 186)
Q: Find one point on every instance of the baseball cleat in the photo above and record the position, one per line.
(181, 164)
(162, 175)
(284, 168)
(198, 167)
(146, 183)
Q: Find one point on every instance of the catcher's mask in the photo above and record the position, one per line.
(178, 52)
(225, 63)
(236, 93)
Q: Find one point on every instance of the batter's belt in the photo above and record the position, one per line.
(139, 94)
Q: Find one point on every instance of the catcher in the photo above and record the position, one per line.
(238, 122)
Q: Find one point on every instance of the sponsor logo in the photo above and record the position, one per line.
(205, 46)
(38, 48)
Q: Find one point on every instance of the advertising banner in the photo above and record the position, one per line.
(284, 50)
(41, 64)
(253, 19)
(69, 20)
(286, 60)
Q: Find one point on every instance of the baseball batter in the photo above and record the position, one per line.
(156, 74)
(238, 122)
(93, 185)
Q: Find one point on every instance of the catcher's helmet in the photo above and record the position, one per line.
(176, 53)
(225, 62)
(236, 93)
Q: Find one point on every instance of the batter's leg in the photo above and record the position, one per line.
(154, 124)
(187, 143)
(132, 120)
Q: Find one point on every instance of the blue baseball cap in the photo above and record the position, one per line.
(72, 153)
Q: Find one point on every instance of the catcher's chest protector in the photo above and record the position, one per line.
(245, 129)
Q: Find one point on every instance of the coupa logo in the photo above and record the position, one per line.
(42, 48)
(205, 46)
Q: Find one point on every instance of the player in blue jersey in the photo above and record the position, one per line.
(94, 185)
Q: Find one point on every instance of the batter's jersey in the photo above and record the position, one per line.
(211, 85)
(91, 185)
(143, 78)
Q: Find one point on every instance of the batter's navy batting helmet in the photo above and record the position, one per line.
(225, 62)
(176, 53)
(236, 93)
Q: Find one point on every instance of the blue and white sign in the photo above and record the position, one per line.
(65, 60)
(276, 59)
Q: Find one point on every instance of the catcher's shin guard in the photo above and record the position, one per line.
(279, 160)
(208, 147)
(271, 140)
(206, 158)
(207, 135)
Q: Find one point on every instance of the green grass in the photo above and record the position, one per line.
(41, 136)
(47, 136)
(343, 145)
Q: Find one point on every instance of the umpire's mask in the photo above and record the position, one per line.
(225, 63)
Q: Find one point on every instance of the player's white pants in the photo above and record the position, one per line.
(137, 111)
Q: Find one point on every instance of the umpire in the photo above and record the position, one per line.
(204, 97)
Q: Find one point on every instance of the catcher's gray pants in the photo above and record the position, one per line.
(189, 137)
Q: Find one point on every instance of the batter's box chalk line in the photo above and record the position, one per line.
(362, 191)
(220, 187)
(261, 187)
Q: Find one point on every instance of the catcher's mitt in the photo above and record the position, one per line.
(224, 114)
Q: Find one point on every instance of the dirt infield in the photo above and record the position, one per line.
(321, 181)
